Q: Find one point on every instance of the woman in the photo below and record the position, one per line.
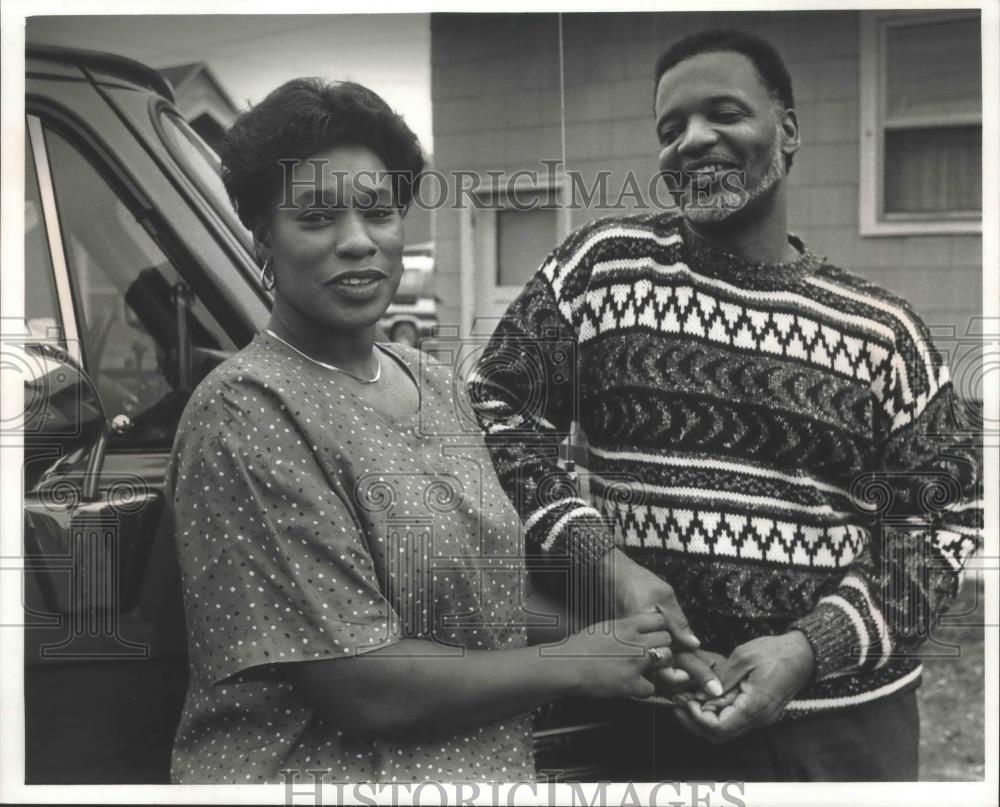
(352, 570)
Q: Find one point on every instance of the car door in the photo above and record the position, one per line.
(111, 278)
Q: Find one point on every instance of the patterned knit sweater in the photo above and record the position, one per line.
(778, 442)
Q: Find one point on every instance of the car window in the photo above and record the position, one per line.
(147, 340)
(41, 305)
(201, 164)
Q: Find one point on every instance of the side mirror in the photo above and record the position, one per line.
(62, 414)
(101, 540)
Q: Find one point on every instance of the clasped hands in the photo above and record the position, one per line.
(757, 681)
(716, 698)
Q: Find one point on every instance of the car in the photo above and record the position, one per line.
(139, 280)
(412, 315)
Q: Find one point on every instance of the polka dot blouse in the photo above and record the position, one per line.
(311, 526)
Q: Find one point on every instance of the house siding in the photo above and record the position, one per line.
(496, 102)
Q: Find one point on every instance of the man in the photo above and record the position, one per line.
(762, 429)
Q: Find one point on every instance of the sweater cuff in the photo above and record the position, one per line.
(832, 637)
(573, 531)
(589, 543)
(577, 542)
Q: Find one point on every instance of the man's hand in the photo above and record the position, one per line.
(693, 671)
(637, 590)
(764, 675)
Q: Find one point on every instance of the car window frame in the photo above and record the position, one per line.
(96, 150)
(34, 131)
(159, 109)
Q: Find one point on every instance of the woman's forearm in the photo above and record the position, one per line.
(417, 687)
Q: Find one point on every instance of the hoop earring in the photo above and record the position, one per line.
(267, 275)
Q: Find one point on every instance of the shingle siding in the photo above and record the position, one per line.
(495, 88)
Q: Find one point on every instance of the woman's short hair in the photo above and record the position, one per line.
(302, 117)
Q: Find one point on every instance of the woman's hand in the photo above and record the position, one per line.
(613, 659)
(694, 672)
(636, 590)
(417, 687)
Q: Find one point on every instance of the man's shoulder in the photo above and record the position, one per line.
(610, 237)
(654, 226)
(862, 297)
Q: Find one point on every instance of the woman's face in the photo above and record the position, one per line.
(336, 240)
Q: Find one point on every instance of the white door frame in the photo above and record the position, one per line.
(483, 218)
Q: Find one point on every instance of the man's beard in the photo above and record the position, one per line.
(716, 205)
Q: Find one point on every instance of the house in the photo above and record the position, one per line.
(205, 104)
(202, 100)
(887, 182)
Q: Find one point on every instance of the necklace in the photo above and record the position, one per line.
(372, 380)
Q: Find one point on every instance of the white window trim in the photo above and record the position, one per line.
(470, 217)
(53, 232)
(870, 180)
(560, 187)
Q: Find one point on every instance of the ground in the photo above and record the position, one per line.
(952, 696)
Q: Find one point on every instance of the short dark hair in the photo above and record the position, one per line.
(304, 116)
(766, 61)
(769, 65)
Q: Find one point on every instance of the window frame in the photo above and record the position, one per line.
(95, 150)
(499, 237)
(159, 111)
(482, 215)
(873, 220)
(496, 198)
(53, 234)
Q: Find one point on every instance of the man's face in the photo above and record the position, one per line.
(722, 135)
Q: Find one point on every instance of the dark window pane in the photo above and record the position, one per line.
(524, 238)
(132, 304)
(933, 170)
(933, 69)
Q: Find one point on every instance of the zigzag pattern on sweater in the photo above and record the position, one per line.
(695, 313)
(711, 532)
(660, 292)
(730, 599)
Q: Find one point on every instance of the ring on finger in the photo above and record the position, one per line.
(656, 655)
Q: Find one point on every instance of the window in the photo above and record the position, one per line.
(527, 224)
(921, 122)
(524, 238)
(504, 239)
(146, 339)
(202, 165)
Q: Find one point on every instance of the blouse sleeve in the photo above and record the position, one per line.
(273, 564)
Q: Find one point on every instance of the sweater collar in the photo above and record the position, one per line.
(706, 259)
